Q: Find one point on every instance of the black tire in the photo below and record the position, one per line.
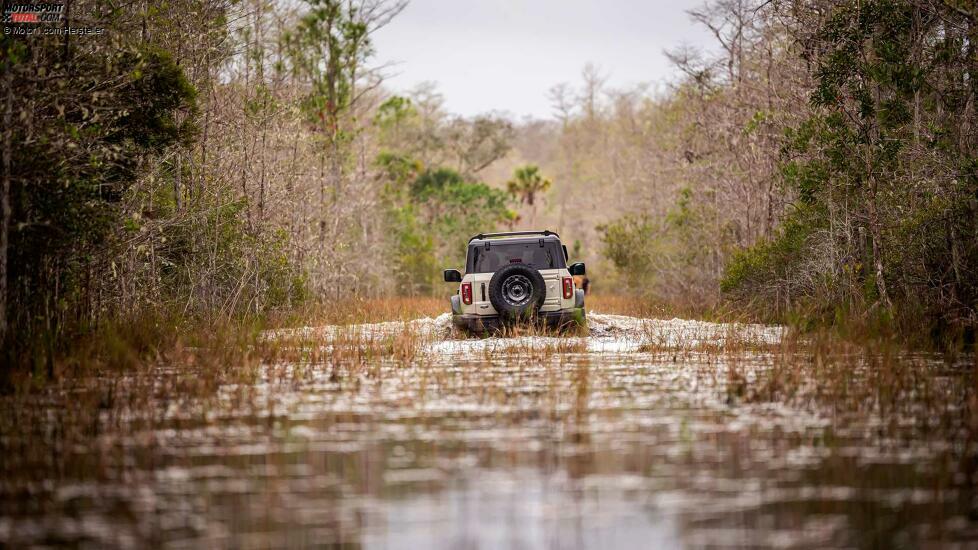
(517, 292)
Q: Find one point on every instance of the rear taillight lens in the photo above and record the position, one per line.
(466, 293)
(568, 287)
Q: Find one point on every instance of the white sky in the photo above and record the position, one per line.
(504, 55)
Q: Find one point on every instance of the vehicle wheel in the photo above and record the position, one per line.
(517, 292)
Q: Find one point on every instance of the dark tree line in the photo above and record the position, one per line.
(884, 167)
(215, 158)
(83, 118)
(822, 167)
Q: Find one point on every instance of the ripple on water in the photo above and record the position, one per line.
(490, 442)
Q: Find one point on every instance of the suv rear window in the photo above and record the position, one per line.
(549, 256)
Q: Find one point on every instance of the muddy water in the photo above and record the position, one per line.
(646, 434)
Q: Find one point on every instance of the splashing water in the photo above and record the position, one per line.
(605, 333)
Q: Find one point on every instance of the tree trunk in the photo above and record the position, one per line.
(876, 236)
(5, 197)
(177, 180)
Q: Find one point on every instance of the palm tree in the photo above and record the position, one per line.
(525, 185)
(511, 218)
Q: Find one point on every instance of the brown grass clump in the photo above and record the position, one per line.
(222, 348)
(645, 307)
(359, 310)
(875, 375)
(211, 346)
(347, 347)
(617, 304)
(539, 351)
(683, 343)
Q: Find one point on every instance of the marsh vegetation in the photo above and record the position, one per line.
(686, 433)
(222, 321)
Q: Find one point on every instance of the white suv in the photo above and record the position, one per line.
(516, 276)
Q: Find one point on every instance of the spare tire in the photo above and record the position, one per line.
(517, 291)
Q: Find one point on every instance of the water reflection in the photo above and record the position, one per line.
(467, 448)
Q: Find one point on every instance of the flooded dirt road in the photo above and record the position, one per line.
(644, 434)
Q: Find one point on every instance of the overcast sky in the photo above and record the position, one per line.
(504, 55)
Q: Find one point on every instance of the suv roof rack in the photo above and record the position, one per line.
(545, 233)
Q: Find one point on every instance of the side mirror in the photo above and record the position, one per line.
(576, 269)
(453, 276)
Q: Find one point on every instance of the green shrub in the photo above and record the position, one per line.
(771, 259)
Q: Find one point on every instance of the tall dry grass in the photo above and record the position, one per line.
(358, 310)
(648, 307)
(633, 306)
(218, 345)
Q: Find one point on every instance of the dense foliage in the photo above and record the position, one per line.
(432, 213)
(883, 170)
(218, 157)
(822, 166)
(208, 157)
(87, 120)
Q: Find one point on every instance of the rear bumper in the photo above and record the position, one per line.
(555, 319)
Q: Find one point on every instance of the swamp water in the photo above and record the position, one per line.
(644, 434)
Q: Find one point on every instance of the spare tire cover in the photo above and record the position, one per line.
(517, 291)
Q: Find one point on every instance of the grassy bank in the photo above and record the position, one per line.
(217, 342)
(219, 345)
(153, 337)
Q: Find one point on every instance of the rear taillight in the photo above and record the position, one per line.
(568, 287)
(467, 293)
